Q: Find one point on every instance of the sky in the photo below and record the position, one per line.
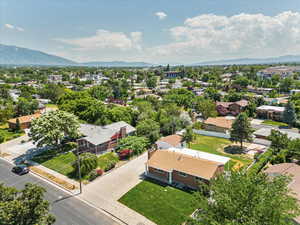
(155, 31)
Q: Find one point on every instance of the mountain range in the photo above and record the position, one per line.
(13, 55)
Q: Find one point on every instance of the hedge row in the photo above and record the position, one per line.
(261, 162)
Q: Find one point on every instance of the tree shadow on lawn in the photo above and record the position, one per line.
(234, 150)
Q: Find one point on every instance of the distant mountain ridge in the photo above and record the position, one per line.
(244, 61)
(13, 55)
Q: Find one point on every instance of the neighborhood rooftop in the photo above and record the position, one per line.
(100, 134)
(271, 108)
(201, 155)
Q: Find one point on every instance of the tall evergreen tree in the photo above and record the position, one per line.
(241, 129)
(289, 114)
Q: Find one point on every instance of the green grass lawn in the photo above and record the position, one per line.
(275, 123)
(164, 205)
(212, 144)
(53, 106)
(9, 134)
(61, 162)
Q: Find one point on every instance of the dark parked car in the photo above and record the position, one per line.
(20, 169)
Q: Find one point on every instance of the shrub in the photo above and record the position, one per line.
(125, 153)
(2, 138)
(262, 161)
(69, 146)
(88, 162)
(108, 161)
(99, 172)
(93, 175)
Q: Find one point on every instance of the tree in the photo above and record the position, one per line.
(278, 140)
(151, 82)
(18, 126)
(188, 135)
(240, 199)
(148, 128)
(2, 137)
(241, 129)
(206, 107)
(289, 114)
(52, 127)
(88, 162)
(135, 143)
(24, 207)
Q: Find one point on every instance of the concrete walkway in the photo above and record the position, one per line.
(105, 191)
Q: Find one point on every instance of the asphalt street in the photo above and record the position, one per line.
(67, 209)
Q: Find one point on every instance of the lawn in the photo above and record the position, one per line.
(52, 106)
(275, 123)
(9, 134)
(212, 144)
(61, 162)
(164, 205)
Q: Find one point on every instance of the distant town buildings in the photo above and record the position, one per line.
(173, 74)
(282, 71)
(55, 78)
(270, 112)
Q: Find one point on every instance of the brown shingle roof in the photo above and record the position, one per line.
(25, 119)
(168, 161)
(173, 140)
(291, 169)
(219, 122)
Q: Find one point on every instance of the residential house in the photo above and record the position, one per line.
(173, 74)
(259, 90)
(184, 167)
(290, 169)
(264, 133)
(218, 124)
(171, 141)
(24, 121)
(270, 112)
(231, 108)
(55, 78)
(100, 139)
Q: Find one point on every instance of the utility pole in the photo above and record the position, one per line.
(79, 170)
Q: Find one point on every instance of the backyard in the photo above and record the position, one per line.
(164, 205)
(216, 146)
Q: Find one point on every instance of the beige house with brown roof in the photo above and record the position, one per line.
(24, 121)
(291, 169)
(184, 167)
(171, 141)
(218, 124)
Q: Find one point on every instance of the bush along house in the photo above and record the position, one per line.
(183, 167)
(101, 139)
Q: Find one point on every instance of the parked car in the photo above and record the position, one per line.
(20, 169)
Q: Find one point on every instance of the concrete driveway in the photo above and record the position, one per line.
(105, 191)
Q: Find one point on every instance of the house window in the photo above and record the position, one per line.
(182, 174)
(198, 179)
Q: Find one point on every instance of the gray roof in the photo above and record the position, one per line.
(100, 134)
(265, 132)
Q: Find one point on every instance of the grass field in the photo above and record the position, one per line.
(8, 134)
(212, 144)
(62, 163)
(164, 205)
(275, 123)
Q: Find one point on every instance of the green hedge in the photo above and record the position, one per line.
(108, 161)
(263, 160)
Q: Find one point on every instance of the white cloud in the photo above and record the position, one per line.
(12, 27)
(209, 36)
(104, 39)
(161, 15)
(9, 26)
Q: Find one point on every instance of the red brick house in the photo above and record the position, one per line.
(100, 139)
(231, 108)
(184, 167)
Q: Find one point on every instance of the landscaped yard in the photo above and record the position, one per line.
(216, 145)
(62, 163)
(164, 205)
(9, 134)
(275, 123)
(52, 106)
